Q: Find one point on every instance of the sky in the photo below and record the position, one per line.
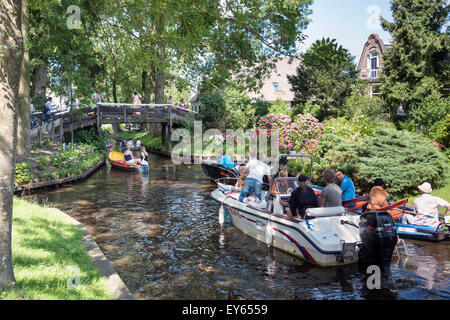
(350, 22)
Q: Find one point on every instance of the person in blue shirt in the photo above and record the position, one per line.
(347, 186)
(226, 161)
(47, 112)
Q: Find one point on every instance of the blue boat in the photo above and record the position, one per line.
(404, 230)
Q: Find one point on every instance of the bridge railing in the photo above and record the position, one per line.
(63, 122)
(109, 113)
(143, 113)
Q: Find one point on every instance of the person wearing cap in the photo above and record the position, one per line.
(301, 199)
(426, 208)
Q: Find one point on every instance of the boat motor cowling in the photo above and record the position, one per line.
(379, 238)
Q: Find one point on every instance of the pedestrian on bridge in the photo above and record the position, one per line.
(137, 100)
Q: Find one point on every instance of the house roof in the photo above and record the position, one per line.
(276, 85)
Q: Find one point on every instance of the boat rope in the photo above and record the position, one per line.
(349, 223)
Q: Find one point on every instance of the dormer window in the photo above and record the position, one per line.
(374, 65)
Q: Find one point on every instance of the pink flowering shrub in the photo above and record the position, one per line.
(307, 132)
(280, 122)
(302, 133)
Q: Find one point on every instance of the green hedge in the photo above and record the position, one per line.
(402, 159)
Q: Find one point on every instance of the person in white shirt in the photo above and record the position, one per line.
(426, 208)
(254, 181)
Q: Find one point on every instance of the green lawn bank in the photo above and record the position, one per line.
(47, 253)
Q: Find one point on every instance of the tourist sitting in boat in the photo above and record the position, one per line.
(377, 196)
(130, 143)
(254, 181)
(301, 199)
(225, 161)
(331, 194)
(426, 208)
(144, 156)
(347, 186)
(128, 155)
(243, 173)
(280, 185)
(138, 143)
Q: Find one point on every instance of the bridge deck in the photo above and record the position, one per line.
(110, 113)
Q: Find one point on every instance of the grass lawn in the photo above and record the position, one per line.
(47, 249)
(148, 139)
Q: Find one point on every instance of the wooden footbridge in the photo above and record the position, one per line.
(112, 113)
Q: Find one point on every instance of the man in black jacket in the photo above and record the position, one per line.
(301, 199)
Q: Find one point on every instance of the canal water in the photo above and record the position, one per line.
(156, 229)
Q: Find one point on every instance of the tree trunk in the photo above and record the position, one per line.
(10, 62)
(24, 123)
(160, 68)
(152, 84)
(40, 75)
(115, 126)
(144, 86)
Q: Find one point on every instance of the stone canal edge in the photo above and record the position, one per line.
(116, 287)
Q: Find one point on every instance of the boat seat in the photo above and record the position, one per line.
(325, 212)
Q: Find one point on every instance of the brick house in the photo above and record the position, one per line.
(371, 62)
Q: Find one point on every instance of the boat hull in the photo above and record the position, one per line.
(216, 171)
(315, 241)
(117, 162)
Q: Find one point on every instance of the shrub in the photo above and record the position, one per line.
(308, 107)
(280, 107)
(306, 131)
(402, 159)
(91, 137)
(357, 105)
(231, 110)
(431, 110)
(440, 131)
(282, 123)
(23, 174)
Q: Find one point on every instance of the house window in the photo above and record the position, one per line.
(374, 64)
(276, 86)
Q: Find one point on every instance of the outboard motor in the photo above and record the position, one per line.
(379, 238)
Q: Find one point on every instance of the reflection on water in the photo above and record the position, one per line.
(155, 229)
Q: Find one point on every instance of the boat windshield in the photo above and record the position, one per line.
(284, 185)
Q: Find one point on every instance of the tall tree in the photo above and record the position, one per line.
(325, 76)
(210, 39)
(417, 65)
(11, 54)
(61, 43)
(24, 123)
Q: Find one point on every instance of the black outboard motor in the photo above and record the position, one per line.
(379, 238)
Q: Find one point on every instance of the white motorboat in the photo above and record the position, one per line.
(326, 237)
